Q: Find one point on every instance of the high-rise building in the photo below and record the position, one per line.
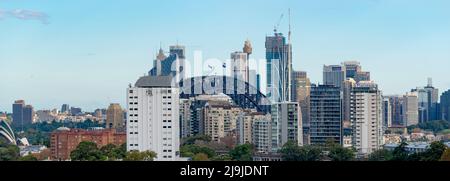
(153, 117)
(239, 66)
(244, 125)
(387, 113)
(286, 124)
(172, 65)
(366, 117)
(28, 115)
(65, 108)
(396, 109)
(445, 105)
(333, 75)
(279, 68)
(410, 109)
(220, 119)
(23, 115)
(75, 111)
(17, 116)
(346, 88)
(114, 117)
(325, 114)
(427, 102)
(196, 118)
(301, 88)
(353, 70)
(262, 134)
(185, 118)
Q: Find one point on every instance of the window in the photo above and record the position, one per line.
(131, 91)
(131, 132)
(135, 132)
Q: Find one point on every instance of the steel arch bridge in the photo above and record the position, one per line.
(242, 93)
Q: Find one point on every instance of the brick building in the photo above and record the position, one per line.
(65, 140)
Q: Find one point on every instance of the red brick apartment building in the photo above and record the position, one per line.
(65, 140)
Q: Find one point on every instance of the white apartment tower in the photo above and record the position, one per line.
(366, 117)
(153, 117)
(286, 124)
(261, 134)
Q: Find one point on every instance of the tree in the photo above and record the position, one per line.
(87, 151)
(9, 153)
(400, 153)
(225, 157)
(192, 139)
(140, 156)
(292, 152)
(29, 157)
(242, 152)
(339, 153)
(381, 155)
(191, 150)
(112, 152)
(434, 153)
(200, 157)
(446, 155)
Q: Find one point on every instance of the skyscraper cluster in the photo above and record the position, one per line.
(348, 108)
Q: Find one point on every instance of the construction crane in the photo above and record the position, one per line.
(278, 23)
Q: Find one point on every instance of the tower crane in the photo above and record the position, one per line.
(278, 23)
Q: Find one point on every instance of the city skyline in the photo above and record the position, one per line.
(86, 59)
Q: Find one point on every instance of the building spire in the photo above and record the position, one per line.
(160, 55)
(289, 35)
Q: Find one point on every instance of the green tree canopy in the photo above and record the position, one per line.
(200, 157)
(192, 139)
(28, 158)
(400, 153)
(381, 155)
(339, 153)
(140, 156)
(292, 152)
(434, 153)
(9, 153)
(242, 152)
(191, 150)
(87, 151)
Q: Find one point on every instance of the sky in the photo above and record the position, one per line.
(86, 52)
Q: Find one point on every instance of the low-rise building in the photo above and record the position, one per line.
(64, 140)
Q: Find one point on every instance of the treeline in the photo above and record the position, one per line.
(435, 126)
(200, 148)
(89, 151)
(437, 151)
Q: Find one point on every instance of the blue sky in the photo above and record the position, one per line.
(85, 52)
